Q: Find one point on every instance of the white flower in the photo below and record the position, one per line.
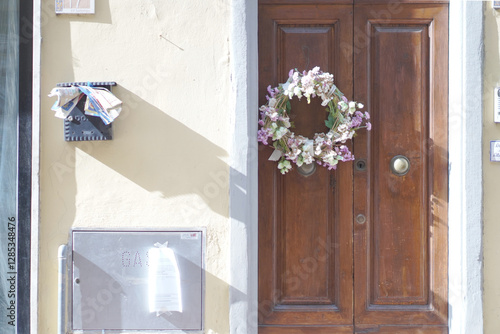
(331, 154)
(279, 133)
(284, 166)
(331, 160)
(307, 158)
(343, 128)
(290, 89)
(352, 107)
(308, 146)
(343, 106)
(318, 150)
(319, 139)
(325, 101)
(273, 116)
(294, 153)
(286, 121)
(309, 91)
(360, 105)
(272, 102)
(297, 92)
(300, 161)
(285, 86)
(345, 136)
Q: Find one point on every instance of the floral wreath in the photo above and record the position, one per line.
(326, 149)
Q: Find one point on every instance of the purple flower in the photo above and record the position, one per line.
(271, 92)
(356, 121)
(273, 116)
(368, 126)
(330, 167)
(346, 154)
(262, 136)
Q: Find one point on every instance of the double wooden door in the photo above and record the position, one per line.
(362, 249)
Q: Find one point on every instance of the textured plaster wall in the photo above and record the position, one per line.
(491, 175)
(167, 165)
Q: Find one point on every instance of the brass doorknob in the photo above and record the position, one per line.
(361, 219)
(400, 165)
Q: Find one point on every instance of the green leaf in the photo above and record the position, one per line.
(341, 117)
(288, 105)
(331, 106)
(329, 122)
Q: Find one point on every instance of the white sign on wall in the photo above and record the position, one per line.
(75, 6)
(495, 150)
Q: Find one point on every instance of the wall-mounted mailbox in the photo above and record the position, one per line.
(137, 280)
(80, 127)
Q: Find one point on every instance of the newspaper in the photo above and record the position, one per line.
(67, 98)
(100, 102)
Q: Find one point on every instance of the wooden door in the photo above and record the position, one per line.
(305, 228)
(400, 252)
(360, 249)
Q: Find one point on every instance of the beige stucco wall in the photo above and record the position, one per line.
(491, 174)
(167, 163)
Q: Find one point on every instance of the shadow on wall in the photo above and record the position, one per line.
(160, 154)
(491, 79)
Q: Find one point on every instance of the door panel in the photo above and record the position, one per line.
(399, 219)
(305, 248)
(400, 252)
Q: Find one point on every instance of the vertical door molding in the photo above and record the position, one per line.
(465, 175)
(243, 177)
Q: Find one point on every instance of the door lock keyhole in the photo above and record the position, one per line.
(360, 164)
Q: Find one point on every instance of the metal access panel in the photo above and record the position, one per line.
(137, 280)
